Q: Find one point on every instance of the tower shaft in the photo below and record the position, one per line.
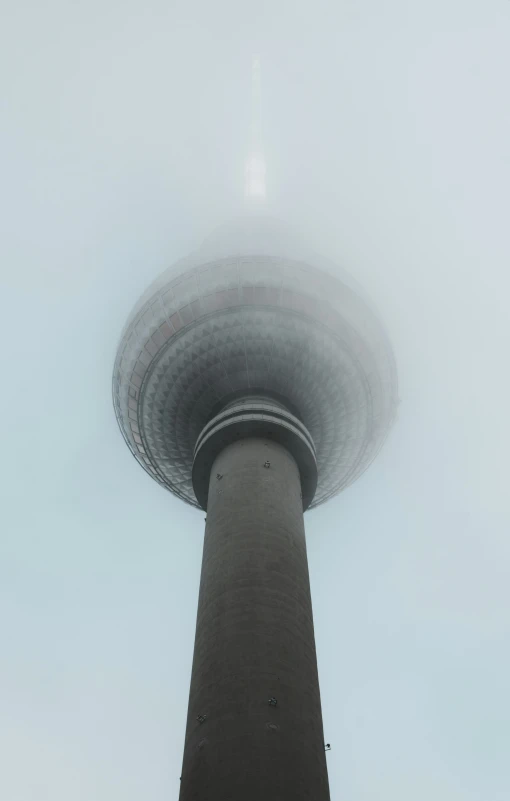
(254, 642)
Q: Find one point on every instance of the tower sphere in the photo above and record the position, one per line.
(254, 324)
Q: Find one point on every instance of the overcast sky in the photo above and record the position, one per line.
(125, 126)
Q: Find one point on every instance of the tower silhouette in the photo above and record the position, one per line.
(254, 380)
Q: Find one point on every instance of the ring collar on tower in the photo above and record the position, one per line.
(254, 416)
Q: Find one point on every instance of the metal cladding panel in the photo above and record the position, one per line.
(253, 322)
(254, 728)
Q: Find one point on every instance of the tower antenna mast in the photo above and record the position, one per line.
(254, 384)
(255, 170)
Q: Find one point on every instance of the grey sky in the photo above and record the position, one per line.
(124, 131)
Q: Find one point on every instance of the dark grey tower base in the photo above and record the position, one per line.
(254, 639)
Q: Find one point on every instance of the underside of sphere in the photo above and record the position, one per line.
(249, 322)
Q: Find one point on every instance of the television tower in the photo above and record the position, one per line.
(254, 381)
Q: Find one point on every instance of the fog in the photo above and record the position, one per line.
(125, 129)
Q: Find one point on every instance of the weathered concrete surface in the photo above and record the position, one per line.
(254, 640)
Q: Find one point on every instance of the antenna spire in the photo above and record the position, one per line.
(255, 170)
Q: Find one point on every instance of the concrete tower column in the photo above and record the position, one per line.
(254, 729)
